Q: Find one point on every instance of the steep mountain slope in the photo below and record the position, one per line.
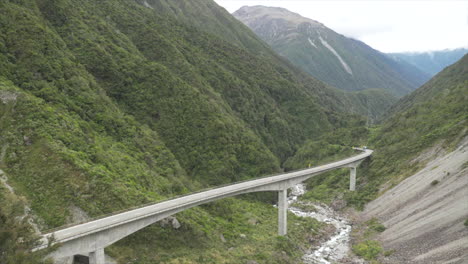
(425, 214)
(105, 105)
(434, 115)
(431, 62)
(416, 182)
(340, 61)
(425, 143)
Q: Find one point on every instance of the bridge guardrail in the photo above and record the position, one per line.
(52, 230)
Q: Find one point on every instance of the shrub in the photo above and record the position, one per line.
(375, 225)
(369, 249)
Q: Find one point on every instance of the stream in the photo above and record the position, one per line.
(337, 246)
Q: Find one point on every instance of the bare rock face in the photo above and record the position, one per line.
(222, 238)
(27, 140)
(77, 215)
(175, 223)
(170, 221)
(6, 96)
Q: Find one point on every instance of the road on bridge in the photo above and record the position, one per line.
(92, 237)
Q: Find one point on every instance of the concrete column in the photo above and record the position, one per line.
(97, 257)
(282, 212)
(352, 179)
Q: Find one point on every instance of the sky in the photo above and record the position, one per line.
(388, 26)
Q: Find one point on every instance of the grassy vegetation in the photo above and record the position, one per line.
(364, 245)
(199, 238)
(106, 105)
(369, 249)
(434, 115)
(331, 147)
(16, 235)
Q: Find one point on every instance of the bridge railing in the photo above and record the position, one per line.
(51, 230)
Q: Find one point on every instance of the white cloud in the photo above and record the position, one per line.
(389, 26)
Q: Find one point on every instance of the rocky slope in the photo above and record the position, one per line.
(424, 215)
(333, 58)
(416, 180)
(421, 171)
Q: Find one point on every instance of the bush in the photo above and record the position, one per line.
(369, 249)
(434, 182)
(375, 225)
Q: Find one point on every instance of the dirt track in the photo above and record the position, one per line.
(425, 219)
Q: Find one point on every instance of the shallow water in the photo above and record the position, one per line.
(337, 246)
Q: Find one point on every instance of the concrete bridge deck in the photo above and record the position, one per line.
(91, 238)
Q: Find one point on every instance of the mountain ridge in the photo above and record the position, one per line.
(320, 51)
(431, 62)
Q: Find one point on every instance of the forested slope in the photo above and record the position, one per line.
(432, 117)
(105, 105)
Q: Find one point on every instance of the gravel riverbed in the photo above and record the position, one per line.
(337, 246)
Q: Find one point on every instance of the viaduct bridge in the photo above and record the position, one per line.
(90, 238)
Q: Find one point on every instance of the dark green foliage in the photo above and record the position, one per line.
(331, 147)
(434, 182)
(435, 114)
(107, 105)
(77, 162)
(372, 103)
(199, 238)
(16, 235)
(375, 225)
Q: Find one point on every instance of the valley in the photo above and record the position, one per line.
(110, 106)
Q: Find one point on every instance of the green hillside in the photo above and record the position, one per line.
(373, 103)
(106, 105)
(342, 62)
(435, 114)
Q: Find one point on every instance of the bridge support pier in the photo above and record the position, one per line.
(97, 257)
(352, 179)
(283, 212)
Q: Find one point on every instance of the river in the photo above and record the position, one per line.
(337, 246)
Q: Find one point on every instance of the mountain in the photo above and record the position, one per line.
(415, 183)
(431, 62)
(422, 170)
(107, 105)
(342, 62)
